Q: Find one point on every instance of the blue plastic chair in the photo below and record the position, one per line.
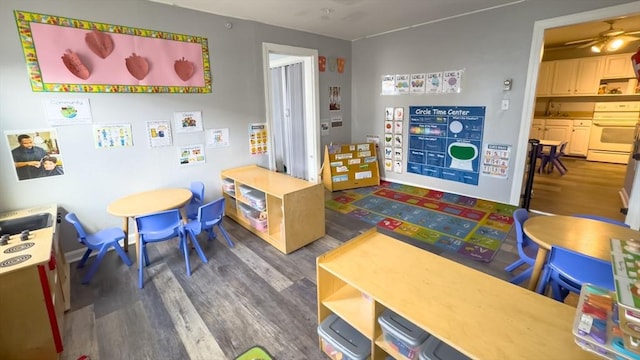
(567, 270)
(602, 218)
(197, 198)
(527, 249)
(209, 216)
(100, 241)
(161, 226)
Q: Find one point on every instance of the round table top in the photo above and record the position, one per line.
(148, 202)
(587, 236)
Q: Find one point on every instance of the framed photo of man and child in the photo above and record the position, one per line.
(35, 153)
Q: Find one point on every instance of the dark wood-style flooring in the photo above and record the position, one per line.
(587, 188)
(248, 295)
(253, 294)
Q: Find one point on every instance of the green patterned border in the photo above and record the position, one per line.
(24, 20)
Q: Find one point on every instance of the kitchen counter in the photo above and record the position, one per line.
(40, 241)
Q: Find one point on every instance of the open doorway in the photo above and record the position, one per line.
(307, 103)
(536, 54)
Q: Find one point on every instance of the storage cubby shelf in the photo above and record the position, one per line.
(293, 208)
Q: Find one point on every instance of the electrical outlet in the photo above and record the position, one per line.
(505, 105)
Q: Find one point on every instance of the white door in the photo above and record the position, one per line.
(311, 103)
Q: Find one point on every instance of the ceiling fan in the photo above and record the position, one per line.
(609, 40)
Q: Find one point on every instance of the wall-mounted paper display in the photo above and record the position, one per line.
(388, 85)
(112, 135)
(402, 83)
(322, 63)
(73, 55)
(388, 113)
(187, 121)
(159, 133)
(67, 111)
(398, 114)
(417, 83)
(191, 155)
(451, 81)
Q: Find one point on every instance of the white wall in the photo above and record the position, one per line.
(490, 47)
(93, 177)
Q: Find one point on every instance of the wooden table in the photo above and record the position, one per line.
(589, 237)
(147, 202)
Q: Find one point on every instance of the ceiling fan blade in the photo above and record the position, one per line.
(632, 32)
(579, 41)
(588, 44)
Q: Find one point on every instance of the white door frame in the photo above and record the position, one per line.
(535, 56)
(312, 108)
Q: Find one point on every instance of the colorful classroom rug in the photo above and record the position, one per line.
(471, 227)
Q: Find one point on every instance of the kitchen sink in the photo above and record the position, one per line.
(31, 222)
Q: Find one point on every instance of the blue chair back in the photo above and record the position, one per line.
(197, 197)
(567, 270)
(210, 214)
(73, 220)
(523, 241)
(160, 226)
(602, 218)
(197, 189)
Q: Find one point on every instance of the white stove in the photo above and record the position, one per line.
(612, 131)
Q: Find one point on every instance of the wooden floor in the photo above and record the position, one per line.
(248, 295)
(588, 188)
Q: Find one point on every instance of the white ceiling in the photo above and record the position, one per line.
(342, 19)
(356, 19)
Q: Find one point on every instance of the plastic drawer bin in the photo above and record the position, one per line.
(402, 335)
(434, 349)
(253, 216)
(340, 341)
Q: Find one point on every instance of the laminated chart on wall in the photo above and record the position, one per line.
(445, 142)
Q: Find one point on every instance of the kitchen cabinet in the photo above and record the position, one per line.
(577, 76)
(545, 78)
(373, 272)
(558, 129)
(286, 212)
(537, 129)
(579, 142)
(617, 67)
(34, 292)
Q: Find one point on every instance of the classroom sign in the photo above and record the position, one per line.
(445, 142)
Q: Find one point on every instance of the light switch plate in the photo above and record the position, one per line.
(505, 105)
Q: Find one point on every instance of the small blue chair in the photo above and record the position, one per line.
(197, 198)
(100, 241)
(567, 270)
(161, 226)
(209, 216)
(601, 218)
(527, 249)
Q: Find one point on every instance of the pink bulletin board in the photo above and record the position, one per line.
(70, 55)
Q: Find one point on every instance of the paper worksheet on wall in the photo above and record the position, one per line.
(495, 160)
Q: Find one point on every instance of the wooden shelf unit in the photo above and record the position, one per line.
(294, 207)
(345, 165)
(481, 316)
